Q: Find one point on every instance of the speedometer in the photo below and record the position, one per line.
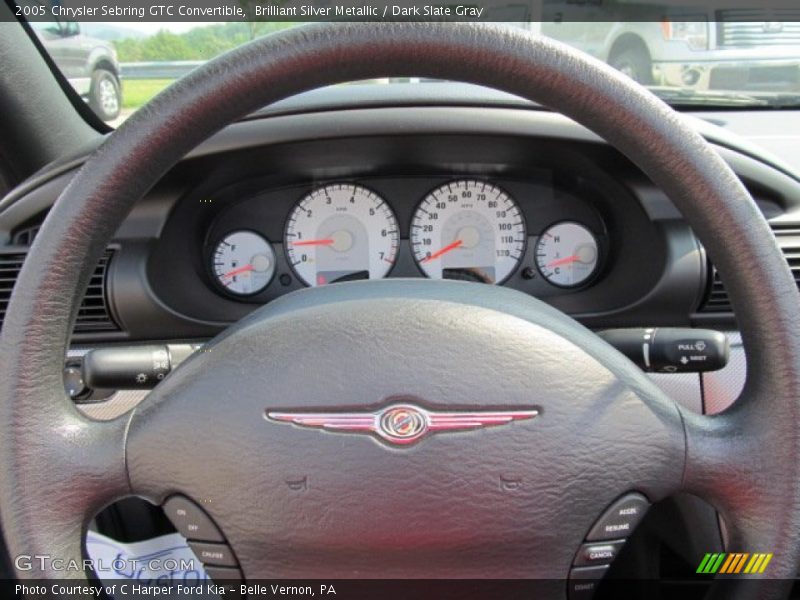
(470, 230)
(341, 232)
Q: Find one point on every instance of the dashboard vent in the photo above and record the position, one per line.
(716, 297)
(10, 265)
(25, 235)
(93, 314)
(717, 301)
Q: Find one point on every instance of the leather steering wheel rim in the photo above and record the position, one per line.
(59, 468)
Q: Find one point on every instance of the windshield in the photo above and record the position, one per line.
(726, 58)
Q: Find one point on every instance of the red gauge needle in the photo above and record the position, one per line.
(325, 242)
(444, 250)
(564, 261)
(239, 271)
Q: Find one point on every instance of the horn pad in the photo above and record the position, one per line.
(312, 387)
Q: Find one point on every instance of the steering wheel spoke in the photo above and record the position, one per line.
(80, 469)
(749, 488)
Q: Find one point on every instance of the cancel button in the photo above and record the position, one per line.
(602, 553)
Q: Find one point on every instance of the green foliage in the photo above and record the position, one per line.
(136, 92)
(200, 43)
(129, 49)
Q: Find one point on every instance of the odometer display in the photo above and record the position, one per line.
(341, 232)
(470, 230)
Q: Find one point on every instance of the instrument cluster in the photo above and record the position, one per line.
(467, 229)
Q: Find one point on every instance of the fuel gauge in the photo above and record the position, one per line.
(243, 263)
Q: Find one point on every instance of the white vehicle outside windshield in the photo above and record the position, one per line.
(722, 58)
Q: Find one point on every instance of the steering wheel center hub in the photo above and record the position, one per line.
(485, 393)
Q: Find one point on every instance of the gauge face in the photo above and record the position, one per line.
(470, 230)
(243, 263)
(567, 254)
(341, 232)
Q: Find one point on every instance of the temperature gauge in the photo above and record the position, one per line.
(567, 254)
(243, 263)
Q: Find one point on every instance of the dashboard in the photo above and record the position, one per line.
(535, 215)
(527, 232)
(466, 229)
(329, 188)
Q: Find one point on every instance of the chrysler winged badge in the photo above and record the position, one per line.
(401, 423)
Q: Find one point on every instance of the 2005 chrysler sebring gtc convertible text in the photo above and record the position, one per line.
(403, 309)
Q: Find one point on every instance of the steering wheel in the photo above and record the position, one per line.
(368, 507)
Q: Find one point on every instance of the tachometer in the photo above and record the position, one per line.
(567, 254)
(341, 232)
(469, 230)
(243, 263)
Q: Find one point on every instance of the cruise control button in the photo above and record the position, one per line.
(601, 553)
(583, 582)
(190, 520)
(213, 554)
(620, 519)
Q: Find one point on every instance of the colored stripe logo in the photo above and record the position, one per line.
(732, 563)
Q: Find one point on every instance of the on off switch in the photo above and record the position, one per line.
(190, 520)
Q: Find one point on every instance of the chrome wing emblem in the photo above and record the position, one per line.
(401, 423)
